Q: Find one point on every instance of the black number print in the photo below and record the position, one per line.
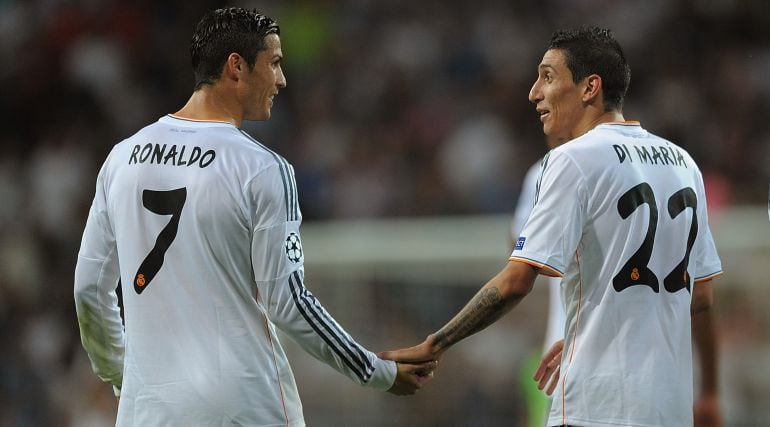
(168, 202)
(681, 200)
(636, 271)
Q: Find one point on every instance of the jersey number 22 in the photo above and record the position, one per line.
(636, 271)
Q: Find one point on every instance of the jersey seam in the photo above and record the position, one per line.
(581, 184)
(244, 192)
(577, 166)
(573, 345)
(277, 372)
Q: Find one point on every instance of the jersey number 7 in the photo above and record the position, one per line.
(168, 202)
(636, 271)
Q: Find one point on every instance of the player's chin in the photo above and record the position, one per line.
(260, 116)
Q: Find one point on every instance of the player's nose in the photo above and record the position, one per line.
(281, 81)
(535, 94)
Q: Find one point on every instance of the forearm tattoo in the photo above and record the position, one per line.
(483, 310)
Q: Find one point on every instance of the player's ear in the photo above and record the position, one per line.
(593, 87)
(234, 66)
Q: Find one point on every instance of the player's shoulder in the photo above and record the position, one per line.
(227, 139)
(253, 147)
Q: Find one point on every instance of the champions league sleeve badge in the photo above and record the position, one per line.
(520, 243)
(293, 248)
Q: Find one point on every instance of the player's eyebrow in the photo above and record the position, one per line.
(544, 66)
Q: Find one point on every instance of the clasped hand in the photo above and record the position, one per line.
(415, 368)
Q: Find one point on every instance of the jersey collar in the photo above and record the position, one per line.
(178, 118)
(623, 123)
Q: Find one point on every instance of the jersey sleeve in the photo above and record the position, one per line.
(278, 259)
(96, 302)
(551, 235)
(526, 199)
(704, 259)
(556, 314)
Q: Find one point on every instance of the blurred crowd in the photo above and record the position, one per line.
(393, 108)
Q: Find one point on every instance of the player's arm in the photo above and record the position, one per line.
(294, 309)
(278, 270)
(707, 411)
(496, 298)
(553, 229)
(705, 266)
(96, 302)
(702, 297)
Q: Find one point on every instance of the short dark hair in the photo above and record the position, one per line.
(592, 50)
(221, 32)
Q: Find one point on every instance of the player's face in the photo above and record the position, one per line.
(260, 85)
(557, 98)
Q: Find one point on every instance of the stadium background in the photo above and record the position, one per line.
(410, 130)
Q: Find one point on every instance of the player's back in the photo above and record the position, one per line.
(199, 349)
(635, 239)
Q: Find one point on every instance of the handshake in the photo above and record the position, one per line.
(417, 364)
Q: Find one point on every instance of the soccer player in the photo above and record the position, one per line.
(620, 215)
(200, 223)
(707, 410)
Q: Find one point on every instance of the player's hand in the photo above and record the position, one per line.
(707, 412)
(548, 371)
(411, 377)
(423, 352)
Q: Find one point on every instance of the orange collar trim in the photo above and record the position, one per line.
(626, 123)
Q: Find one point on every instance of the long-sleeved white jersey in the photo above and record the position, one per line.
(200, 223)
(621, 214)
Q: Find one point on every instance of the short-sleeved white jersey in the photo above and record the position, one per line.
(556, 317)
(200, 223)
(621, 215)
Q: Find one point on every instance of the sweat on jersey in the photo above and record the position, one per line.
(621, 215)
(200, 223)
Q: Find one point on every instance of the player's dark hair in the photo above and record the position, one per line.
(592, 50)
(224, 31)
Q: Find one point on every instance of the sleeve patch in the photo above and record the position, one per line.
(520, 244)
(294, 248)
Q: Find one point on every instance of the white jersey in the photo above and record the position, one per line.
(556, 316)
(621, 215)
(200, 222)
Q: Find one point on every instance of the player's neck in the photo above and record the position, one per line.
(207, 103)
(591, 121)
